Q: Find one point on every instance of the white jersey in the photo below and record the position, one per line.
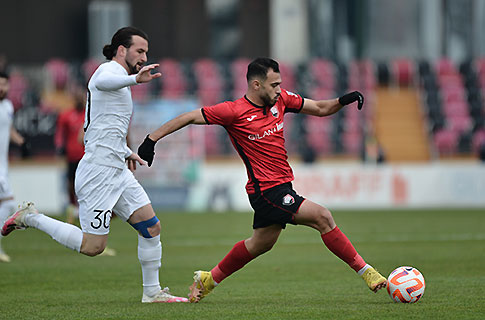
(108, 113)
(6, 118)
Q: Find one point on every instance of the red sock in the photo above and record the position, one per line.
(233, 261)
(340, 245)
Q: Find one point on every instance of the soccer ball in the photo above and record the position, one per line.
(405, 284)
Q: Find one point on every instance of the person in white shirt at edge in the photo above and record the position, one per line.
(7, 134)
(103, 182)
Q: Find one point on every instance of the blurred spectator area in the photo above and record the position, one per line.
(449, 95)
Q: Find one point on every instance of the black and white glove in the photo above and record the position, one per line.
(352, 97)
(146, 150)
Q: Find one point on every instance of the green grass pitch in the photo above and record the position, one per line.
(298, 279)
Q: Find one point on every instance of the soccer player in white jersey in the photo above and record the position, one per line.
(7, 134)
(103, 182)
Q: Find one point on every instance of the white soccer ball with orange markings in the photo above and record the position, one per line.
(406, 285)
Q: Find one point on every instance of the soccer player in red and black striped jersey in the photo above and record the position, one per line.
(255, 124)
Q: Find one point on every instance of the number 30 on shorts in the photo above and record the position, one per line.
(102, 218)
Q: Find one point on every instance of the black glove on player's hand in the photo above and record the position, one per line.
(352, 97)
(146, 150)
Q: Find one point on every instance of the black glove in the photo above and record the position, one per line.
(352, 97)
(146, 150)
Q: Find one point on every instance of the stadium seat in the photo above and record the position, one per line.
(318, 132)
(454, 94)
(18, 88)
(322, 72)
(320, 93)
(460, 123)
(452, 109)
(445, 66)
(212, 143)
(383, 74)
(141, 92)
(238, 69)
(59, 72)
(480, 66)
(445, 141)
(478, 140)
(288, 77)
(352, 142)
(173, 80)
(88, 68)
(403, 71)
(209, 81)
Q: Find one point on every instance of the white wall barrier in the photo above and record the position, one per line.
(41, 184)
(220, 187)
(354, 186)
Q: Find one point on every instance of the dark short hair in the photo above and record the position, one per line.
(259, 67)
(122, 37)
(3, 75)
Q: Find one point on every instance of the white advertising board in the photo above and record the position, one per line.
(353, 186)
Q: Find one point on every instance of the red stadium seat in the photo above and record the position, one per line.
(88, 68)
(452, 109)
(59, 72)
(287, 77)
(18, 87)
(445, 66)
(446, 141)
(460, 123)
(480, 66)
(141, 92)
(209, 81)
(453, 94)
(320, 93)
(403, 71)
(212, 143)
(322, 72)
(173, 80)
(353, 124)
(318, 134)
(239, 69)
(478, 140)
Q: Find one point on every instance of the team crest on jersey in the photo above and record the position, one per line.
(288, 200)
(274, 111)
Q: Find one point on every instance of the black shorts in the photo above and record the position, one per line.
(276, 205)
(71, 170)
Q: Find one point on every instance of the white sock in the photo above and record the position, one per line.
(7, 208)
(364, 268)
(150, 256)
(66, 234)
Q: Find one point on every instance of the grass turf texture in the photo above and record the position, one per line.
(298, 279)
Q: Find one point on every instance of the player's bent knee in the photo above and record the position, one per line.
(93, 250)
(149, 228)
(324, 219)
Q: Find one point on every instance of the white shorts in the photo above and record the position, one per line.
(102, 190)
(5, 191)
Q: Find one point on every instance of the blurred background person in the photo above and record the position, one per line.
(7, 134)
(68, 144)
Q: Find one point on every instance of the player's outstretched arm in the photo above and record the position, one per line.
(322, 108)
(147, 149)
(108, 81)
(145, 75)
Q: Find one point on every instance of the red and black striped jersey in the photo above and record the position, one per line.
(256, 133)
